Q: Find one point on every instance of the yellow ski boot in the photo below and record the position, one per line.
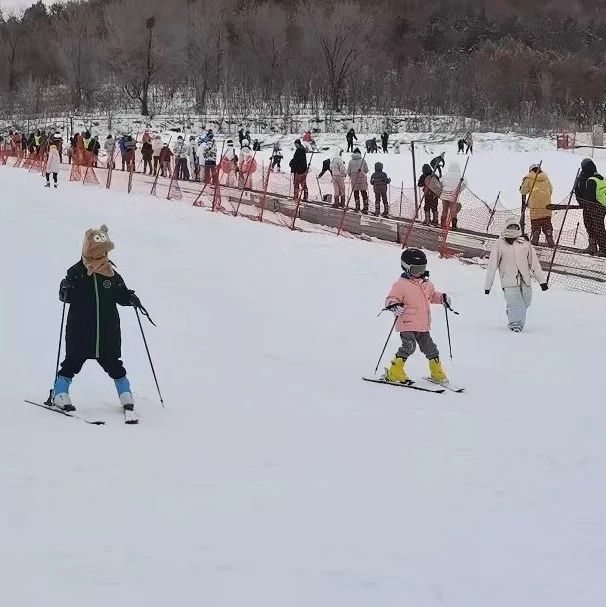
(436, 371)
(395, 372)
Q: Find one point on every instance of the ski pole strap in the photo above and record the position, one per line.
(448, 307)
(145, 313)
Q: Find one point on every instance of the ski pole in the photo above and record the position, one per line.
(386, 342)
(50, 396)
(148, 354)
(446, 308)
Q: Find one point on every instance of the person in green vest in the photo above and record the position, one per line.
(590, 192)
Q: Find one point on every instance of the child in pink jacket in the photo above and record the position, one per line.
(410, 300)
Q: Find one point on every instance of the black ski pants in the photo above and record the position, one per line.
(72, 365)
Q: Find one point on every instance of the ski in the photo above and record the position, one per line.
(67, 414)
(410, 384)
(445, 384)
(130, 417)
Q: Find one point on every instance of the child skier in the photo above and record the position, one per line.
(276, 157)
(516, 260)
(93, 288)
(52, 165)
(410, 299)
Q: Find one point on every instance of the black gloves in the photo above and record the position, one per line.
(65, 289)
(544, 286)
(133, 300)
(486, 291)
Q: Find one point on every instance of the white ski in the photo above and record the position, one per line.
(445, 384)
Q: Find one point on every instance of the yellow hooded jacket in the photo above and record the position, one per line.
(538, 190)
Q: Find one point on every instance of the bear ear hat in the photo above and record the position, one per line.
(104, 228)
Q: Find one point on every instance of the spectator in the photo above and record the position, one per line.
(298, 167)
(180, 151)
(209, 153)
(256, 146)
(229, 164)
(131, 148)
(165, 160)
(432, 189)
(384, 141)
(110, 146)
(193, 157)
(94, 147)
(536, 193)
(587, 194)
(351, 136)
(454, 184)
(240, 135)
(147, 152)
(380, 181)
(357, 170)
(156, 149)
(461, 146)
(122, 147)
(396, 147)
(338, 172)
(247, 167)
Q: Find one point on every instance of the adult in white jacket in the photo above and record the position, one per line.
(339, 172)
(517, 262)
(52, 165)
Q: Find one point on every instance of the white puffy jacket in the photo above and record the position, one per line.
(516, 263)
(337, 167)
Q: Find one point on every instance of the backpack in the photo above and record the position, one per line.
(600, 189)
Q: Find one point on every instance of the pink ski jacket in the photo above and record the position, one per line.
(416, 296)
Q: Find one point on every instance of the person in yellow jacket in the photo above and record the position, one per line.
(536, 190)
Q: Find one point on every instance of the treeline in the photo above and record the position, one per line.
(536, 63)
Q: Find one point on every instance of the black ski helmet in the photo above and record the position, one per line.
(414, 262)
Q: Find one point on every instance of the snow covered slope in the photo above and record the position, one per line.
(275, 477)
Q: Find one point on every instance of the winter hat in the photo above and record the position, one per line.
(588, 166)
(534, 166)
(229, 142)
(357, 151)
(95, 248)
(427, 170)
(297, 142)
(512, 228)
(378, 167)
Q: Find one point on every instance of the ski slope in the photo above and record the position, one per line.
(274, 477)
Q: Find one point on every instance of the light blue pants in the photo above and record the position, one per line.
(518, 300)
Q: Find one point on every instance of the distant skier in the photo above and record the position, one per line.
(371, 146)
(410, 300)
(469, 143)
(229, 164)
(110, 146)
(384, 141)
(452, 186)
(156, 150)
(92, 288)
(357, 170)
(516, 260)
(276, 157)
(461, 146)
(147, 153)
(52, 165)
(437, 164)
(256, 146)
(351, 136)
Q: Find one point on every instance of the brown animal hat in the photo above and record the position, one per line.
(95, 248)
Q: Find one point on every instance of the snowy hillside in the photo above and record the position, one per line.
(274, 477)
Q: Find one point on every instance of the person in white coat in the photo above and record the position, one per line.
(516, 260)
(453, 184)
(52, 165)
(339, 172)
(157, 146)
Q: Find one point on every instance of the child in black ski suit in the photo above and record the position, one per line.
(92, 288)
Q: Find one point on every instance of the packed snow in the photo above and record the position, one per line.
(275, 477)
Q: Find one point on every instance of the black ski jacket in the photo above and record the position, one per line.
(93, 322)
